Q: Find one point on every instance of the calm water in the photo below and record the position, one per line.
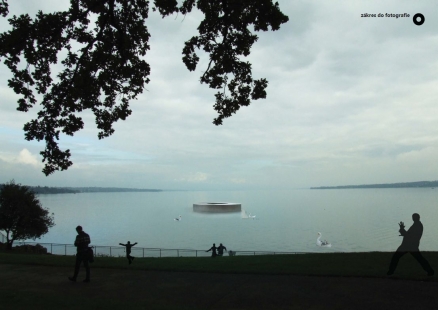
(352, 220)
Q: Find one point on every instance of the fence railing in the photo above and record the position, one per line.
(119, 251)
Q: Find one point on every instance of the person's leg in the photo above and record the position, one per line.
(77, 266)
(87, 270)
(394, 261)
(423, 262)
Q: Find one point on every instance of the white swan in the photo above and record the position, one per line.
(178, 218)
(323, 243)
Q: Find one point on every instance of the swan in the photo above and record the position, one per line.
(323, 243)
(178, 218)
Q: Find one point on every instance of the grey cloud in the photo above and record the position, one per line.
(350, 101)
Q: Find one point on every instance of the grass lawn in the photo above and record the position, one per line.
(369, 264)
(346, 280)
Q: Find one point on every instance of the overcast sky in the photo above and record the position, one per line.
(351, 100)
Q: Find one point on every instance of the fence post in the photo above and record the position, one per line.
(110, 252)
(51, 252)
(160, 252)
(143, 252)
(177, 253)
(196, 253)
(65, 249)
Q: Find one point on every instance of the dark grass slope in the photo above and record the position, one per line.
(369, 264)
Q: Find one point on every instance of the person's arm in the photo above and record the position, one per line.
(208, 250)
(134, 244)
(122, 244)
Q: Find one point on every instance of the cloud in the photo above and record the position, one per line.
(425, 155)
(24, 158)
(27, 158)
(349, 100)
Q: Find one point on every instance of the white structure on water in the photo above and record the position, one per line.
(216, 207)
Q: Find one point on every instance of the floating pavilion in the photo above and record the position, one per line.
(217, 207)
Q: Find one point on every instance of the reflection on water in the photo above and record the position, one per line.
(352, 220)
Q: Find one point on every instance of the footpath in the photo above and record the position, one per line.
(42, 287)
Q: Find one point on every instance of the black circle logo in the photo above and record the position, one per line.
(419, 19)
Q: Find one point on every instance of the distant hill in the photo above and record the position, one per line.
(49, 190)
(75, 190)
(111, 189)
(388, 185)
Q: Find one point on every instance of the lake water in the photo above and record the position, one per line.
(353, 220)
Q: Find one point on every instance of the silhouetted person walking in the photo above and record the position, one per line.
(410, 243)
(213, 250)
(81, 243)
(128, 251)
(220, 250)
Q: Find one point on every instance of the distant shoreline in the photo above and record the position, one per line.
(431, 184)
(77, 190)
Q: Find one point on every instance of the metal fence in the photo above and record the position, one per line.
(119, 251)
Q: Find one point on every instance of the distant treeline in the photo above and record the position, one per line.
(75, 190)
(112, 189)
(390, 185)
(49, 190)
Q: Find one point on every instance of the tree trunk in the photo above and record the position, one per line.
(9, 244)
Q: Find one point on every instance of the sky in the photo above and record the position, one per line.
(350, 100)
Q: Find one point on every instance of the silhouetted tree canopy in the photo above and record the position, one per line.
(104, 67)
(21, 214)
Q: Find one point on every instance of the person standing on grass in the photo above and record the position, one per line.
(220, 250)
(81, 243)
(213, 250)
(128, 251)
(410, 243)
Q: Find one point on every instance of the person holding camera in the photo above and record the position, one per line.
(410, 243)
